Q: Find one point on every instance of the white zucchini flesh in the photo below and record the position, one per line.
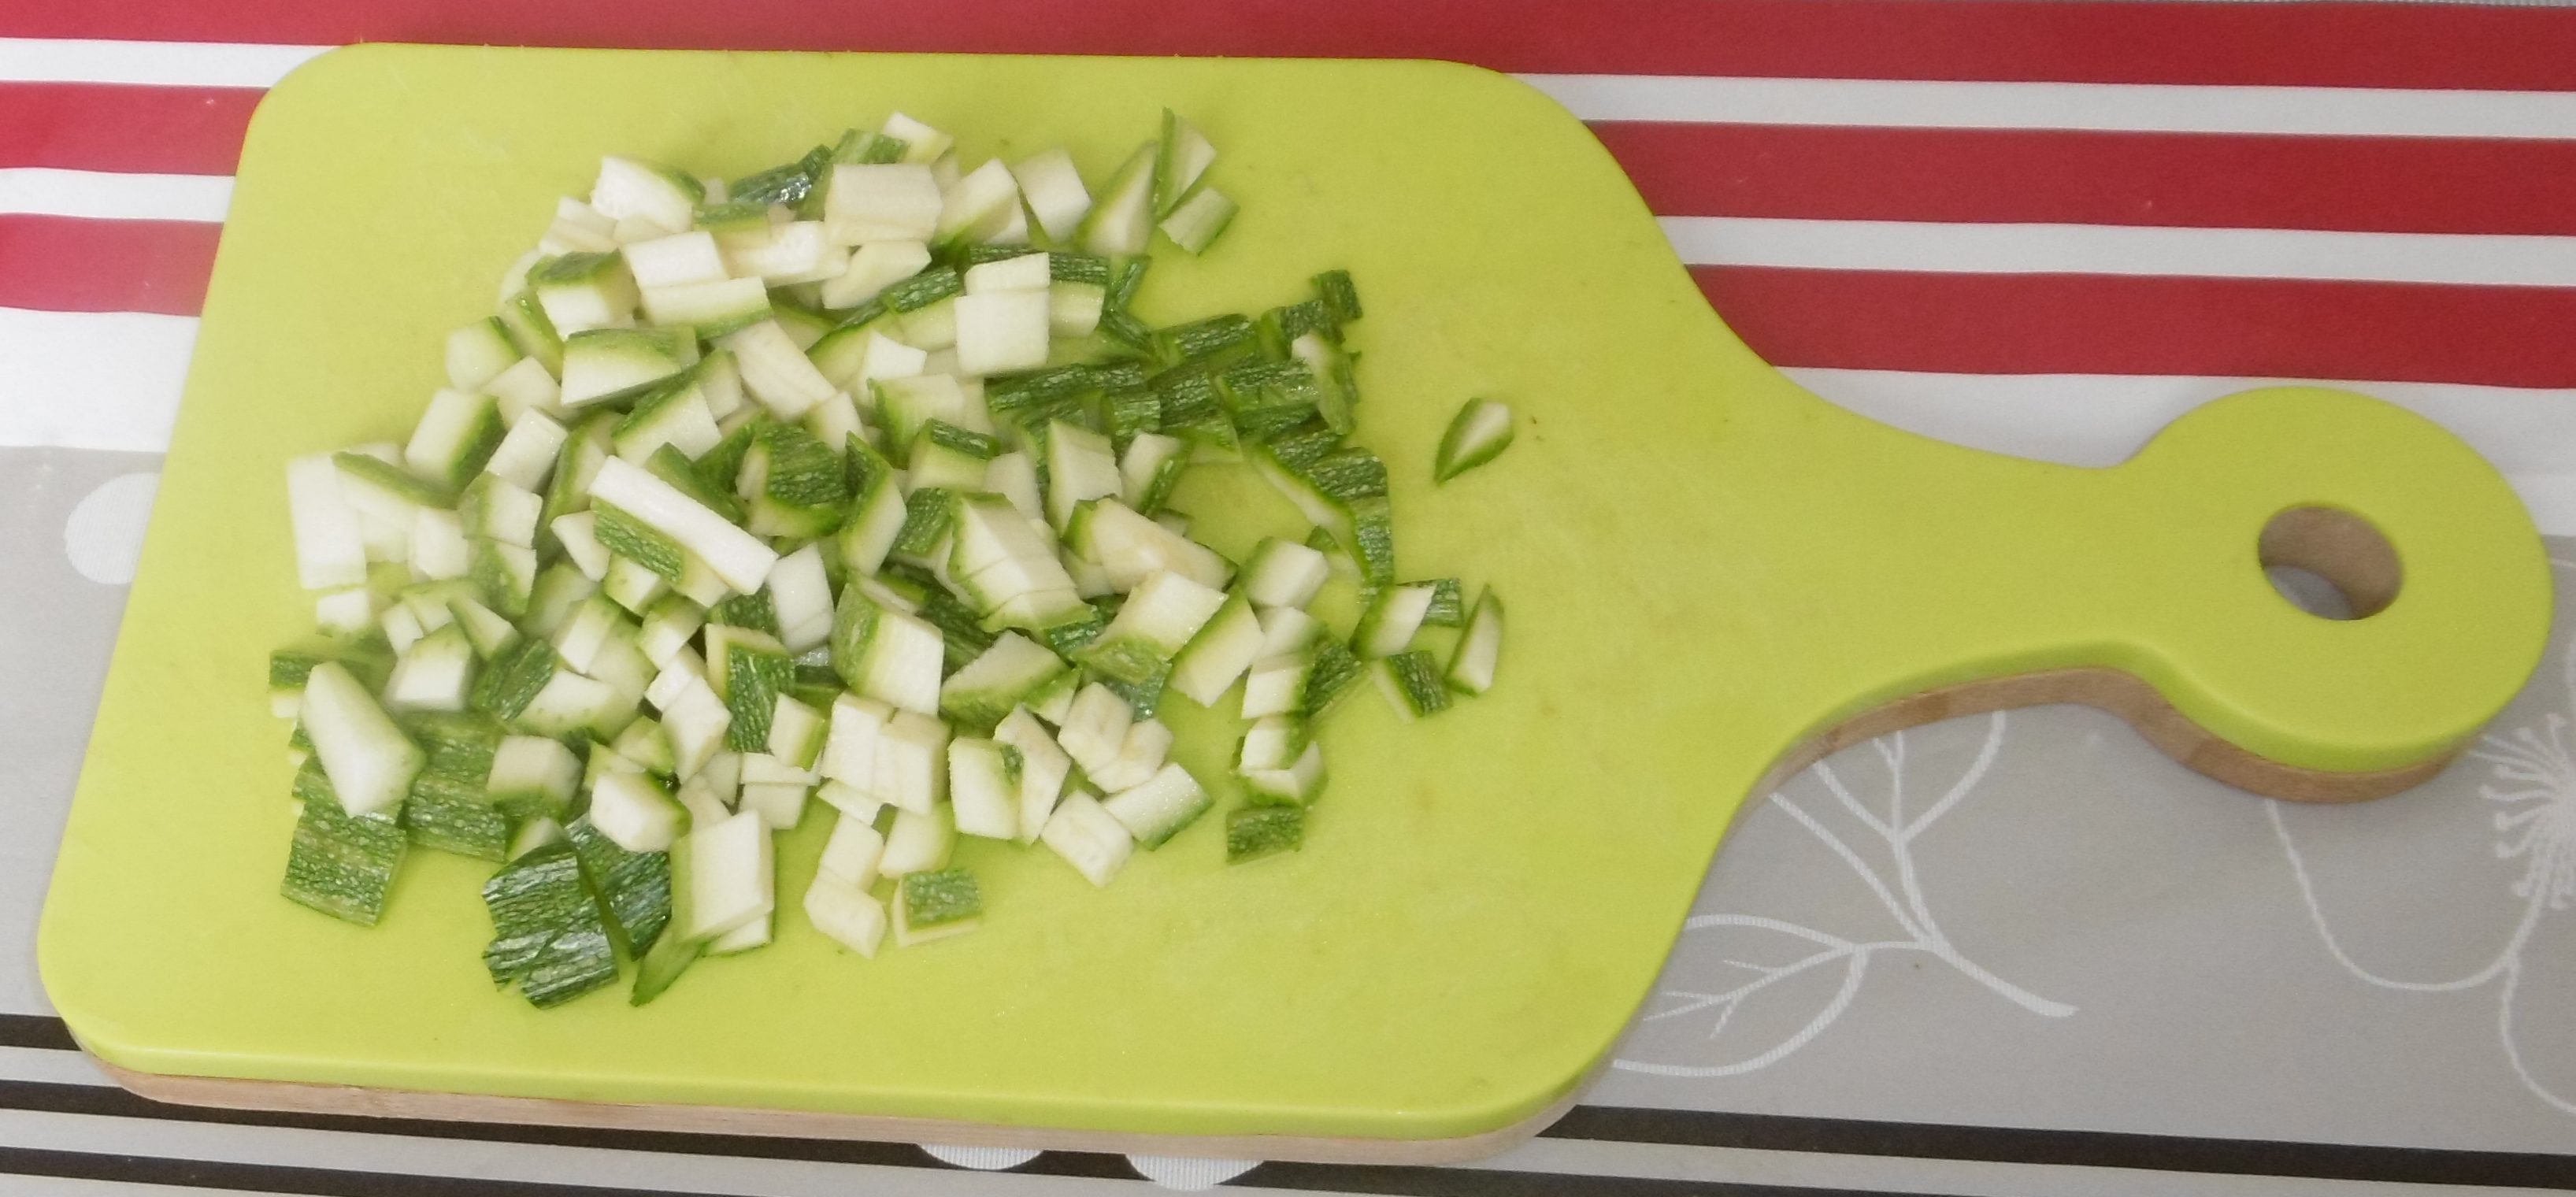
(921, 143)
(1139, 757)
(1095, 728)
(732, 875)
(984, 788)
(801, 594)
(736, 556)
(433, 673)
(1015, 477)
(634, 812)
(346, 613)
(846, 913)
(329, 549)
(980, 205)
(889, 202)
(796, 733)
(1027, 272)
(525, 387)
(851, 855)
(1391, 622)
(1220, 653)
(780, 805)
(1043, 769)
(873, 267)
(775, 371)
(578, 534)
(1155, 810)
(1054, 193)
(1089, 838)
(369, 761)
(438, 549)
(1480, 648)
(1001, 332)
(628, 189)
(911, 763)
(1080, 468)
(918, 843)
(526, 457)
(850, 749)
(675, 260)
(1287, 630)
(1165, 610)
(1283, 573)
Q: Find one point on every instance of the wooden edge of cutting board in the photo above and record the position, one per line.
(2108, 689)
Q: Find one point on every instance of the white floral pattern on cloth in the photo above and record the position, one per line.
(1799, 954)
(2529, 819)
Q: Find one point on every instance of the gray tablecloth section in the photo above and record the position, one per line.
(2003, 954)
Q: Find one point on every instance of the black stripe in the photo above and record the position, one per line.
(2096, 1149)
(1615, 1124)
(275, 1178)
(35, 1030)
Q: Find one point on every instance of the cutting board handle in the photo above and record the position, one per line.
(2446, 580)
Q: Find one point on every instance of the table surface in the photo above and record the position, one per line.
(2009, 954)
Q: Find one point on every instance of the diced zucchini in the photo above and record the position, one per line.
(369, 761)
(1277, 685)
(732, 876)
(1123, 219)
(524, 388)
(454, 438)
(868, 202)
(1334, 670)
(635, 812)
(628, 188)
(1143, 751)
(434, 674)
(1054, 193)
(984, 787)
(1282, 573)
(979, 206)
(581, 292)
(784, 255)
(874, 267)
(918, 842)
(780, 804)
(911, 762)
(985, 691)
(1253, 832)
(341, 864)
(713, 309)
(1223, 649)
(1479, 433)
(845, 913)
(1014, 476)
(669, 626)
(532, 777)
(1088, 837)
(1184, 156)
(1151, 469)
(531, 331)
(905, 405)
(1199, 220)
(330, 550)
(877, 511)
(1128, 547)
(775, 370)
(1080, 468)
(1447, 610)
(1157, 621)
(494, 508)
(612, 365)
(936, 905)
(950, 458)
(748, 670)
(1158, 809)
(1054, 700)
(1095, 727)
(735, 555)
(478, 352)
(1002, 331)
(1412, 684)
(796, 732)
(851, 855)
(1389, 624)
(1480, 647)
(887, 655)
(676, 260)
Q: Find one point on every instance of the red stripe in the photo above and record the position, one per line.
(2325, 44)
(62, 264)
(2361, 184)
(78, 126)
(2101, 324)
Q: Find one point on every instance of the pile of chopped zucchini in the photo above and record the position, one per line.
(832, 483)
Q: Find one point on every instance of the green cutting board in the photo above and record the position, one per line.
(1707, 569)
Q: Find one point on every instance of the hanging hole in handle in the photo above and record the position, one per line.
(2329, 563)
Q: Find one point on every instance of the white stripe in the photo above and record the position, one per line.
(2103, 106)
(106, 195)
(92, 380)
(2124, 249)
(51, 1066)
(2100, 419)
(164, 64)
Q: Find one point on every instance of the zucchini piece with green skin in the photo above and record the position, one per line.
(802, 326)
(793, 484)
(856, 147)
(1392, 619)
(873, 267)
(796, 732)
(513, 681)
(1124, 330)
(1128, 547)
(671, 465)
(634, 886)
(984, 787)
(1192, 411)
(478, 352)
(559, 588)
(862, 202)
(774, 367)
(628, 187)
(786, 183)
(644, 743)
(368, 759)
(980, 206)
(863, 349)
(1480, 647)
(936, 905)
(877, 512)
(1412, 684)
(733, 877)
(1155, 623)
(383, 491)
(547, 933)
(1054, 700)
(455, 437)
(905, 405)
(340, 864)
(1339, 296)
(1130, 412)
(1122, 221)
(887, 655)
(1147, 743)
(630, 539)
(288, 669)
(532, 777)
(1125, 280)
(1338, 392)
(1334, 670)
(492, 507)
(1221, 651)
(951, 458)
(583, 292)
(1253, 832)
(673, 951)
(986, 690)
(614, 365)
(572, 705)
(635, 812)
(1266, 399)
(1182, 158)
(1151, 470)
(1044, 768)
(1200, 220)
(585, 448)
(1278, 685)
(673, 412)
(748, 670)
(1282, 326)
(1282, 573)
(1080, 468)
(1478, 434)
(1157, 810)
(1298, 783)
(739, 558)
(1074, 309)
(505, 574)
(845, 912)
(1216, 338)
(720, 468)
(711, 308)
(530, 330)
(448, 808)
(925, 525)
